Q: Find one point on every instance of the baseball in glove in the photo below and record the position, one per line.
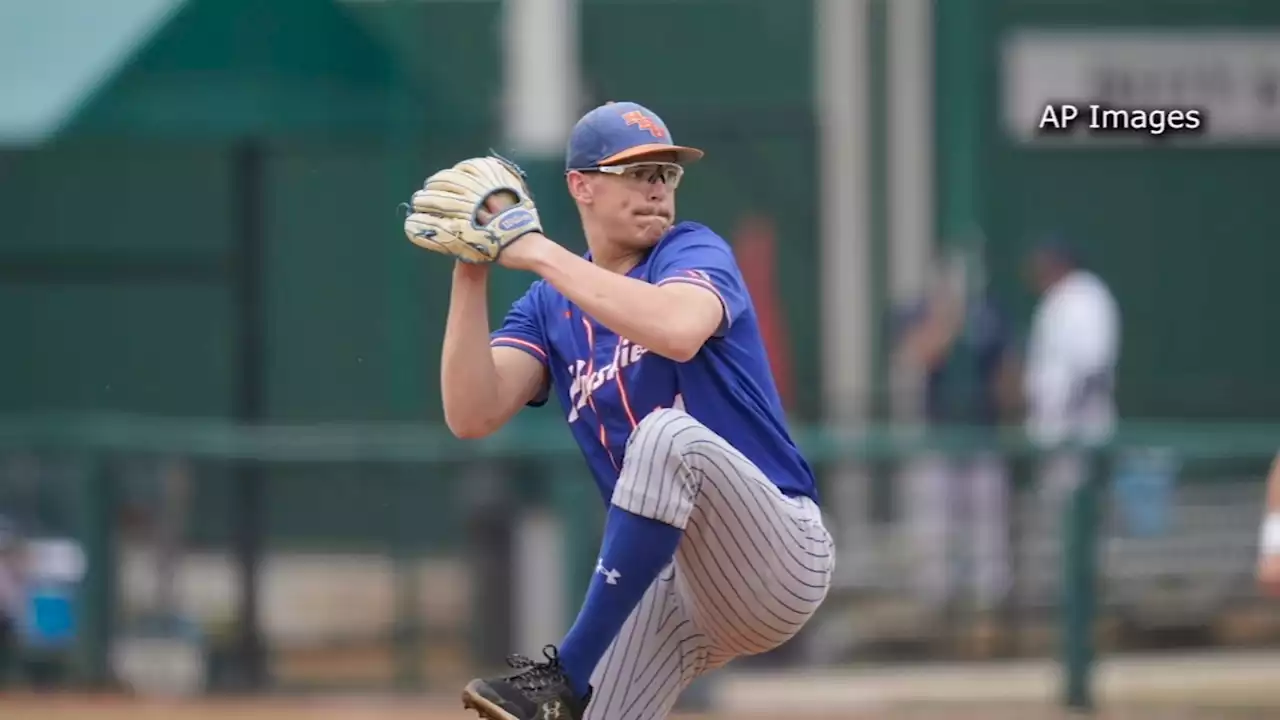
(472, 210)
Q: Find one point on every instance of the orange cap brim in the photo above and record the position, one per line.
(683, 154)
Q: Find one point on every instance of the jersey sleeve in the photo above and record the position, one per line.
(704, 259)
(523, 329)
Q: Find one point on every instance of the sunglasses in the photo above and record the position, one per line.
(644, 173)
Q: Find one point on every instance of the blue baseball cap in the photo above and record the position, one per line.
(617, 132)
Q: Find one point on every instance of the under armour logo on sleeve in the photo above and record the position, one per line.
(611, 577)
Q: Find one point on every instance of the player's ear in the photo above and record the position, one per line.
(580, 188)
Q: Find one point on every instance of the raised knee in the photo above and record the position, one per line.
(655, 481)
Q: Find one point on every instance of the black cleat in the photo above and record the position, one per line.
(535, 691)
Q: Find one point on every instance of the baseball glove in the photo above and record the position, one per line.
(472, 210)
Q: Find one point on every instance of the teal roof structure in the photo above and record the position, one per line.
(189, 68)
(55, 53)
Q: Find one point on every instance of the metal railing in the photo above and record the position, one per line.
(412, 516)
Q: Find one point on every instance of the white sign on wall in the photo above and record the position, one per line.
(1232, 78)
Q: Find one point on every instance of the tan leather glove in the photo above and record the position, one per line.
(472, 210)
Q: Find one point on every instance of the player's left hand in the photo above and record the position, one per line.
(473, 210)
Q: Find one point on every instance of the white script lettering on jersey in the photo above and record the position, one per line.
(625, 354)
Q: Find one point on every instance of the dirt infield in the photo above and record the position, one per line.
(377, 708)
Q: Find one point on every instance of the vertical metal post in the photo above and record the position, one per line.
(909, 140)
(841, 64)
(248, 517)
(841, 59)
(1079, 591)
(879, 253)
(539, 616)
(97, 592)
(909, 180)
(878, 390)
(963, 90)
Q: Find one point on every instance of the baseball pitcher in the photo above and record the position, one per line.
(714, 546)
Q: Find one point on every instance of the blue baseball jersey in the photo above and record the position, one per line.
(607, 384)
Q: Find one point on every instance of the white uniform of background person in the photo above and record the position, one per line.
(1069, 394)
(1069, 380)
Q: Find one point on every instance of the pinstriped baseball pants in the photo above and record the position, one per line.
(752, 568)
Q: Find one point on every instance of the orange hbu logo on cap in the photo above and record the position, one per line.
(644, 122)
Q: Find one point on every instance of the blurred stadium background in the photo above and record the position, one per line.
(223, 470)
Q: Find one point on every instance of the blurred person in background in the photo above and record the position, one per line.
(1269, 542)
(957, 507)
(1069, 379)
(11, 597)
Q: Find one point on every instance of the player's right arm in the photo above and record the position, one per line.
(484, 386)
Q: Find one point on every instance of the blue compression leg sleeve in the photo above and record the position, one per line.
(634, 551)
